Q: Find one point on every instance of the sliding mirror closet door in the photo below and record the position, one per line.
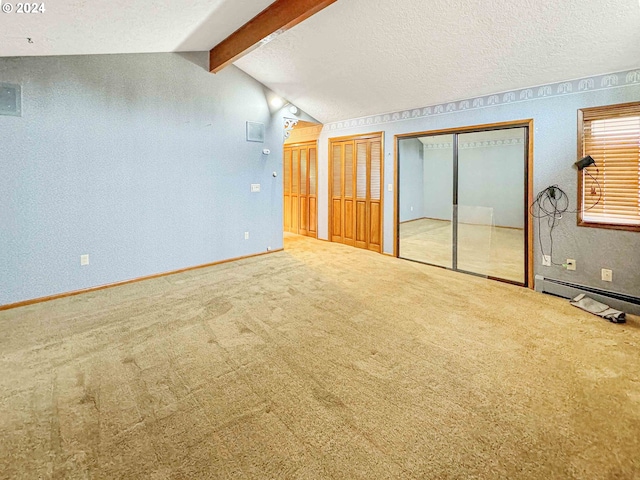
(490, 208)
(462, 201)
(425, 169)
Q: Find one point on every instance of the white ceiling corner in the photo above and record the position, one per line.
(76, 27)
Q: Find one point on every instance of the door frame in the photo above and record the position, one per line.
(528, 184)
(293, 145)
(362, 136)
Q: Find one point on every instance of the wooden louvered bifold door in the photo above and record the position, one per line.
(287, 190)
(355, 185)
(304, 192)
(375, 194)
(295, 190)
(300, 187)
(361, 194)
(348, 217)
(313, 196)
(336, 192)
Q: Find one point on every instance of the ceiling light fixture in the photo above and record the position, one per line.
(277, 102)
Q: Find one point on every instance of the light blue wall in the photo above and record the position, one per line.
(554, 110)
(493, 177)
(438, 183)
(411, 174)
(490, 174)
(139, 161)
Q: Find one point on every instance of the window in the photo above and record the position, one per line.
(609, 190)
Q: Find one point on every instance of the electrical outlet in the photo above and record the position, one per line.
(255, 187)
(84, 260)
(571, 264)
(246, 235)
(546, 260)
(607, 275)
(412, 209)
(268, 249)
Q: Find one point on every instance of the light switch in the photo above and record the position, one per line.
(255, 187)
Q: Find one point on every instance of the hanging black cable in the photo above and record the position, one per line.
(551, 203)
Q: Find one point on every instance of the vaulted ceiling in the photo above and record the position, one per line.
(360, 57)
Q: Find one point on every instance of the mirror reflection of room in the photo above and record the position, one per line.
(481, 233)
(426, 192)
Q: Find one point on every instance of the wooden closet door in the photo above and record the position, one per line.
(287, 189)
(300, 167)
(295, 189)
(375, 195)
(313, 196)
(336, 192)
(362, 183)
(356, 191)
(304, 189)
(348, 188)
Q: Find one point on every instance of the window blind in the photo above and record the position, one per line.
(610, 189)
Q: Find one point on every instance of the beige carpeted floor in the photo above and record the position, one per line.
(323, 361)
(486, 250)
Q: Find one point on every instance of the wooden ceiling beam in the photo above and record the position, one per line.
(277, 18)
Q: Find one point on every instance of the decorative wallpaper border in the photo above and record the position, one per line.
(599, 82)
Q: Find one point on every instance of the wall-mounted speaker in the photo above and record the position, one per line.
(10, 99)
(255, 132)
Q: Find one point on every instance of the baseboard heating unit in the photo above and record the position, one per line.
(619, 301)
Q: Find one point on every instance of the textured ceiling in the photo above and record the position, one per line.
(362, 57)
(359, 57)
(73, 27)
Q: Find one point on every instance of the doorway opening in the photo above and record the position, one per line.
(462, 198)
